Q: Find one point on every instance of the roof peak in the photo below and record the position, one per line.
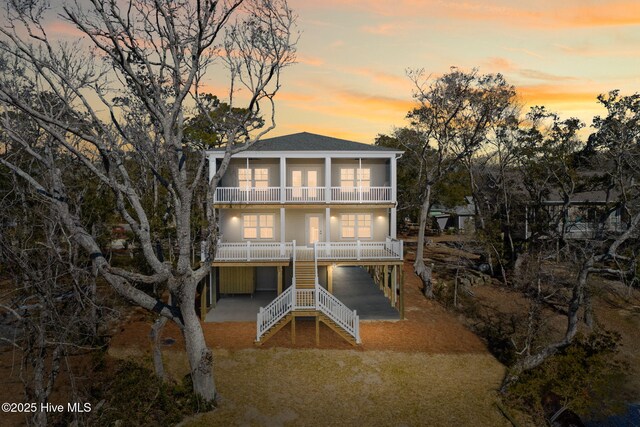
(307, 141)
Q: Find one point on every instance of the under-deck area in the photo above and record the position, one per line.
(352, 285)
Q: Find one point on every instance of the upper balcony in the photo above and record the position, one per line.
(306, 195)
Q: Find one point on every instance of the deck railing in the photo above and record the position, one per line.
(342, 195)
(335, 310)
(359, 250)
(304, 194)
(253, 251)
(390, 249)
(360, 194)
(274, 311)
(247, 195)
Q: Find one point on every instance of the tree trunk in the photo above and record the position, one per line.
(156, 344)
(200, 356)
(423, 272)
(535, 360)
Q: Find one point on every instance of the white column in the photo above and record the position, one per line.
(327, 224)
(392, 223)
(283, 179)
(212, 167)
(327, 179)
(282, 226)
(394, 179)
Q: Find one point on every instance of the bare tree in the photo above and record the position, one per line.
(53, 310)
(616, 142)
(117, 100)
(454, 115)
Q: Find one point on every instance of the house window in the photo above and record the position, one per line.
(355, 177)
(261, 178)
(253, 178)
(347, 178)
(356, 226)
(257, 226)
(244, 178)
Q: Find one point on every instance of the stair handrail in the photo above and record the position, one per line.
(315, 262)
(293, 264)
(274, 311)
(339, 313)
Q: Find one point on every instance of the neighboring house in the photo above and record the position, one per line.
(585, 212)
(291, 209)
(460, 218)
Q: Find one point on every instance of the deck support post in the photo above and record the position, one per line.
(293, 329)
(279, 269)
(214, 287)
(402, 292)
(385, 280)
(394, 285)
(317, 330)
(330, 279)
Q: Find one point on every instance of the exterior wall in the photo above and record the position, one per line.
(237, 280)
(380, 220)
(380, 173)
(296, 224)
(230, 223)
(230, 178)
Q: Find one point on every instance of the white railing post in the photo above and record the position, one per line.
(249, 250)
(358, 250)
(315, 261)
(293, 263)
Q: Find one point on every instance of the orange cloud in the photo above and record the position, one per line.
(540, 14)
(545, 94)
(379, 76)
(314, 61)
(381, 29)
(375, 103)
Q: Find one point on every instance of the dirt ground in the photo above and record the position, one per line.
(427, 369)
(428, 328)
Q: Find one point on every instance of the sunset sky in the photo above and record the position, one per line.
(350, 78)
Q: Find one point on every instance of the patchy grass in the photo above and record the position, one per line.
(280, 387)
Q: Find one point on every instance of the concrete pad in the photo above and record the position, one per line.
(240, 308)
(357, 290)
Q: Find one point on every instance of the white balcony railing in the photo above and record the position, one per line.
(390, 249)
(303, 195)
(360, 194)
(247, 195)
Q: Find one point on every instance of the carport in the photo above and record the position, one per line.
(351, 284)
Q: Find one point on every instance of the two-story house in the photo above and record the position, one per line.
(290, 210)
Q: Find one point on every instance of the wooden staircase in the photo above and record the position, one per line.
(337, 328)
(306, 276)
(306, 298)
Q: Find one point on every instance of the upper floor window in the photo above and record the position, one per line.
(355, 177)
(257, 226)
(253, 178)
(356, 226)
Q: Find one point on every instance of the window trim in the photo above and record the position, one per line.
(356, 226)
(258, 227)
(250, 183)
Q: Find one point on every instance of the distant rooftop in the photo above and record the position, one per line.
(305, 141)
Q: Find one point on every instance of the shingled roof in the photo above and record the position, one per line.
(305, 141)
